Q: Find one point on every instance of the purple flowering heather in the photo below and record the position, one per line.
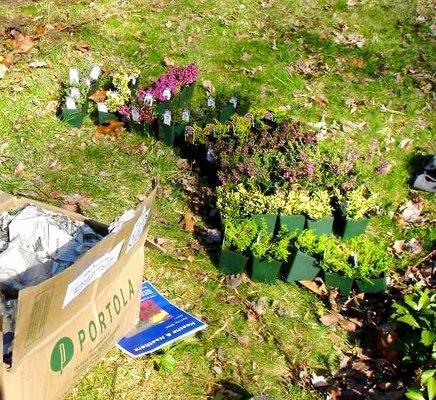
(174, 80)
(125, 111)
(383, 167)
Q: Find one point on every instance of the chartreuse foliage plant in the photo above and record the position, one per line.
(415, 316)
(319, 206)
(239, 235)
(372, 258)
(335, 256)
(359, 202)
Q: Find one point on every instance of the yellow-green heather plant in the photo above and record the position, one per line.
(359, 202)
(319, 205)
(295, 202)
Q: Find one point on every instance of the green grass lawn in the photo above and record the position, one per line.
(254, 47)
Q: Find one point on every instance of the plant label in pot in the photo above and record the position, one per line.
(265, 270)
(372, 285)
(71, 115)
(103, 114)
(336, 281)
(354, 227)
(189, 135)
(270, 220)
(166, 131)
(322, 226)
(292, 222)
(303, 268)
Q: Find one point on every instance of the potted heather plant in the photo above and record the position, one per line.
(319, 211)
(291, 215)
(356, 206)
(225, 113)
(116, 97)
(269, 254)
(304, 265)
(335, 263)
(372, 262)
(238, 237)
(166, 131)
(75, 104)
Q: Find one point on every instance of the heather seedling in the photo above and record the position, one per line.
(372, 259)
(295, 202)
(318, 206)
(307, 242)
(336, 256)
(263, 244)
(239, 235)
(358, 203)
(280, 249)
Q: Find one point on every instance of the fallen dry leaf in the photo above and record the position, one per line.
(169, 62)
(38, 64)
(411, 211)
(208, 86)
(40, 30)
(19, 42)
(19, 169)
(245, 57)
(98, 96)
(110, 127)
(330, 319)
(82, 47)
(187, 222)
(406, 144)
(399, 246)
(320, 290)
(8, 59)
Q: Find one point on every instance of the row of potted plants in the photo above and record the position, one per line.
(298, 208)
(301, 255)
(161, 108)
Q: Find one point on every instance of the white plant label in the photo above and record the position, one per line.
(185, 115)
(167, 117)
(95, 73)
(102, 107)
(166, 94)
(210, 102)
(233, 101)
(148, 99)
(93, 272)
(70, 103)
(74, 76)
(74, 93)
(135, 115)
(209, 154)
(138, 228)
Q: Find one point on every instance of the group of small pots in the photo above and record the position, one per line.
(300, 266)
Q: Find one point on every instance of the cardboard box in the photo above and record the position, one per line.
(67, 323)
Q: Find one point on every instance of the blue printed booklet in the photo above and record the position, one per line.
(160, 323)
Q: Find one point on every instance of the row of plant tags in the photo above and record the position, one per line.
(160, 109)
(270, 247)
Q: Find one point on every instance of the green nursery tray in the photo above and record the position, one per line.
(322, 226)
(265, 271)
(231, 262)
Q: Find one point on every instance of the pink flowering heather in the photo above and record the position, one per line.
(174, 80)
(125, 111)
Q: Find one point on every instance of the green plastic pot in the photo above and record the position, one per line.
(106, 116)
(372, 285)
(179, 132)
(270, 219)
(147, 129)
(225, 113)
(303, 268)
(336, 281)
(292, 222)
(166, 133)
(265, 271)
(322, 226)
(354, 227)
(73, 117)
(231, 262)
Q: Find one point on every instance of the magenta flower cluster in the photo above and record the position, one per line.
(174, 80)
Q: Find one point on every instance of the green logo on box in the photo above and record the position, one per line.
(61, 354)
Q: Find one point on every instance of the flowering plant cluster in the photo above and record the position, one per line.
(169, 84)
(77, 89)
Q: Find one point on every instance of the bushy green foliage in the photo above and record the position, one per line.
(319, 205)
(280, 249)
(307, 242)
(239, 235)
(263, 243)
(336, 256)
(372, 257)
(359, 202)
(295, 202)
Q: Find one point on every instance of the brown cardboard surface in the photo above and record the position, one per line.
(60, 332)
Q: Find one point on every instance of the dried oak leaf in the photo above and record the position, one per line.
(19, 42)
(330, 319)
(82, 47)
(110, 127)
(98, 96)
(187, 222)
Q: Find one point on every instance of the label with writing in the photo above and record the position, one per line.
(93, 272)
(138, 228)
